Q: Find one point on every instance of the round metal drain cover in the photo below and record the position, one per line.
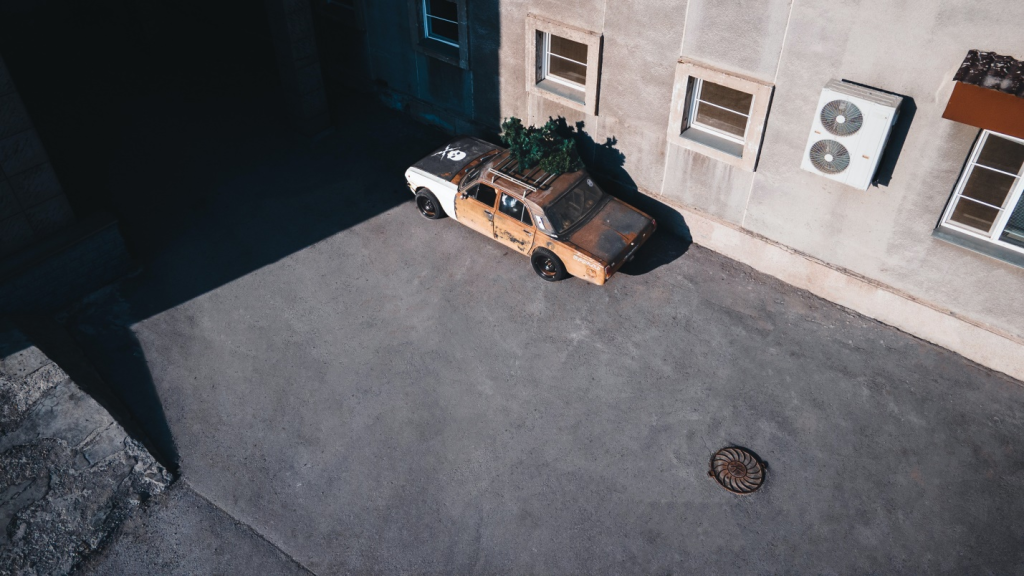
(737, 470)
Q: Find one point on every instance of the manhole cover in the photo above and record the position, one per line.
(737, 470)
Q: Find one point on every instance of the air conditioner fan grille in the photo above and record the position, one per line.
(829, 156)
(841, 118)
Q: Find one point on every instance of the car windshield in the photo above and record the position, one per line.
(573, 206)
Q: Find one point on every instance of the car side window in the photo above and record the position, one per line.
(511, 207)
(526, 217)
(484, 194)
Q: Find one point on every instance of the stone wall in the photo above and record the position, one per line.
(75, 262)
(291, 25)
(32, 203)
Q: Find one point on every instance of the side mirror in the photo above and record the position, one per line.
(464, 195)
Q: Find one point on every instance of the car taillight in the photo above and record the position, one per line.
(607, 272)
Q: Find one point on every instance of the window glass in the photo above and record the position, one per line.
(1002, 154)
(484, 194)
(988, 189)
(988, 186)
(1014, 231)
(726, 97)
(566, 70)
(442, 20)
(511, 207)
(567, 59)
(724, 120)
(975, 215)
(444, 9)
(720, 108)
(573, 206)
(570, 49)
(526, 217)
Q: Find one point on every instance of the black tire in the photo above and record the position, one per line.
(548, 266)
(428, 205)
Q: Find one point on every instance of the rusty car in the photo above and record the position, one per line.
(564, 223)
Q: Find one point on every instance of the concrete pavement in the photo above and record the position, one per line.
(181, 533)
(406, 396)
(419, 402)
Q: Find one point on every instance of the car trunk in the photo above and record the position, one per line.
(612, 232)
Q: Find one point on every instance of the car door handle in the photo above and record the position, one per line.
(528, 233)
(490, 215)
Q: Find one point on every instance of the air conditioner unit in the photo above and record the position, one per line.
(851, 127)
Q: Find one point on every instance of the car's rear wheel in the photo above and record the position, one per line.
(428, 205)
(548, 266)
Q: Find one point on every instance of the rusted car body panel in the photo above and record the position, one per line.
(593, 234)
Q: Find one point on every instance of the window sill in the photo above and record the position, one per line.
(711, 141)
(562, 91)
(990, 249)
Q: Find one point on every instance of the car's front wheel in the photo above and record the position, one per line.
(428, 205)
(548, 266)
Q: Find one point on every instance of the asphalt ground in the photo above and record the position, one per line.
(373, 392)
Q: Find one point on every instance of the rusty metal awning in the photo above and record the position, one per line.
(989, 93)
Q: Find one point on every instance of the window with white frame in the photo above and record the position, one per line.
(719, 114)
(986, 202)
(563, 61)
(719, 110)
(441, 21)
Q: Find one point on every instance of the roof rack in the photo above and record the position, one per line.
(506, 169)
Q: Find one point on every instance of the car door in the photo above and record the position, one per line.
(513, 226)
(474, 207)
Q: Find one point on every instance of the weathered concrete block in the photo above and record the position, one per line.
(18, 394)
(21, 152)
(8, 205)
(69, 474)
(36, 185)
(15, 234)
(21, 360)
(13, 118)
(50, 216)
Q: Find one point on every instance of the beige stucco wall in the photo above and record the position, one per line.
(912, 48)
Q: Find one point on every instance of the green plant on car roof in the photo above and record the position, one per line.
(544, 146)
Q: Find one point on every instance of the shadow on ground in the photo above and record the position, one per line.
(289, 193)
(192, 151)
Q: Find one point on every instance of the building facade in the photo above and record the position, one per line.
(709, 107)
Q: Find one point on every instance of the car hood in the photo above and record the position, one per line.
(611, 232)
(450, 159)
